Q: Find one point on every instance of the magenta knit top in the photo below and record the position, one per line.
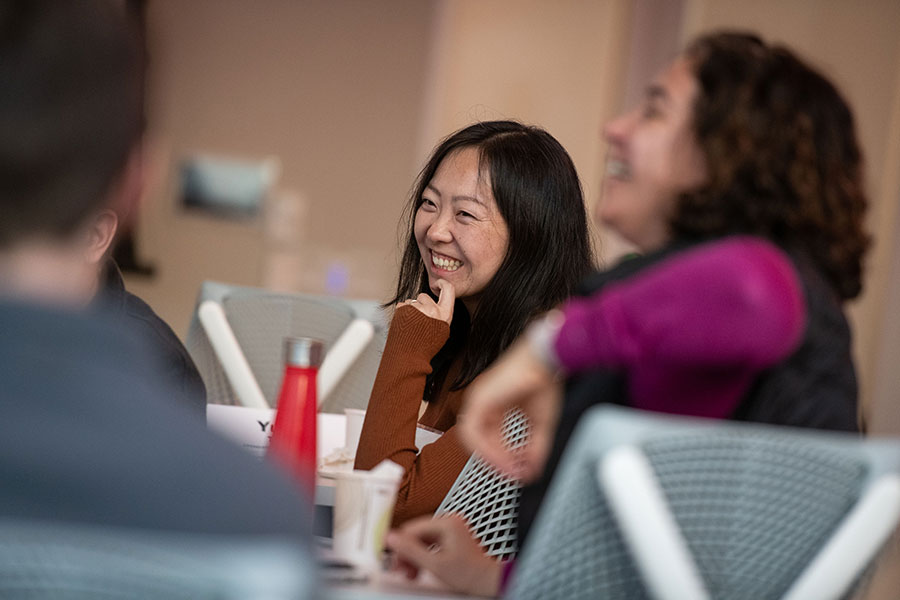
(691, 333)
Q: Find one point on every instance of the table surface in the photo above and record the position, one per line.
(381, 584)
(391, 585)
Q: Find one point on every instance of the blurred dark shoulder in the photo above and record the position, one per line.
(132, 313)
(817, 385)
(628, 266)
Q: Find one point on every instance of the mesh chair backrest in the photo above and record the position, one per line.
(80, 562)
(218, 389)
(754, 508)
(754, 504)
(487, 500)
(260, 321)
(577, 551)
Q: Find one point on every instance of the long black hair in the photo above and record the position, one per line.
(538, 193)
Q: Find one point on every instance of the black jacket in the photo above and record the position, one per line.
(132, 313)
(815, 387)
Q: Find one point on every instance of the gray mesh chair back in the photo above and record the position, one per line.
(487, 500)
(261, 320)
(754, 504)
(80, 562)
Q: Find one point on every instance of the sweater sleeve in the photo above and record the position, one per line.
(736, 302)
(429, 476)
(389, 429)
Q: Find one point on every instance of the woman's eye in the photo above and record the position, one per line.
(650, 111)
(464, 214)
(427, 204)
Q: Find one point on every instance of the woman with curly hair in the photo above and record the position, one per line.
(739, 177)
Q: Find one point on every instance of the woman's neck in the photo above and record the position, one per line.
(471, 303)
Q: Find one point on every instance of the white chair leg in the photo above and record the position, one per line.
(228, 351)
(650, 531)
(341, 356)
(849, 550)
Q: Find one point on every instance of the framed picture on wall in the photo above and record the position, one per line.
(226, 187)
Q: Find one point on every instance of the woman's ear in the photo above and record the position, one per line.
(101, 232)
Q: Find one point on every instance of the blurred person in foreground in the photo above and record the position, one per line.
(58, 140)
(88, 429)
(739, 177)
(483, 258)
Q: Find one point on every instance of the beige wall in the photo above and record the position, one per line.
(556, 64)
(352, 94)
(333, 88)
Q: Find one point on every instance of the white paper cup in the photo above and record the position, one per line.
(363, 507)
(355, 418)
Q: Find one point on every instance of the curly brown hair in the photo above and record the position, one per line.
(782, 155)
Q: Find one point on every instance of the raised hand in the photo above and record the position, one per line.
(519, 379)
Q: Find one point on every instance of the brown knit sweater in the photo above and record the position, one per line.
(389, 430)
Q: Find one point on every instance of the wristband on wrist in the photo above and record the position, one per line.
(541, 336)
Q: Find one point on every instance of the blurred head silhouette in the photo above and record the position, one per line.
(71, 120)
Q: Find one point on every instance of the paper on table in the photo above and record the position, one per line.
(250, 428)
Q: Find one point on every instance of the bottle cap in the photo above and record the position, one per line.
(303, 352)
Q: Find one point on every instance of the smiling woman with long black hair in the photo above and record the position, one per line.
(497, 235)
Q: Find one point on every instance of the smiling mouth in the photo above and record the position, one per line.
(617, 169)
(444, 262)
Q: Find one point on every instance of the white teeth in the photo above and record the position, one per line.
(445, 263)
(617, 168)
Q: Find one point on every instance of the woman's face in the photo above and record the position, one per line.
(461, 234)
(653, 157)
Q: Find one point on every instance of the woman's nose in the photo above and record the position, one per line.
(440, 231)
(616, 130)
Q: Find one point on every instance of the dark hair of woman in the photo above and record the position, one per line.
(783, 158)
(537, 191)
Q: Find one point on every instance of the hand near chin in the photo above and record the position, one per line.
(442, 309)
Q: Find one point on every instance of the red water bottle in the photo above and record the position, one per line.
(293, 439)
